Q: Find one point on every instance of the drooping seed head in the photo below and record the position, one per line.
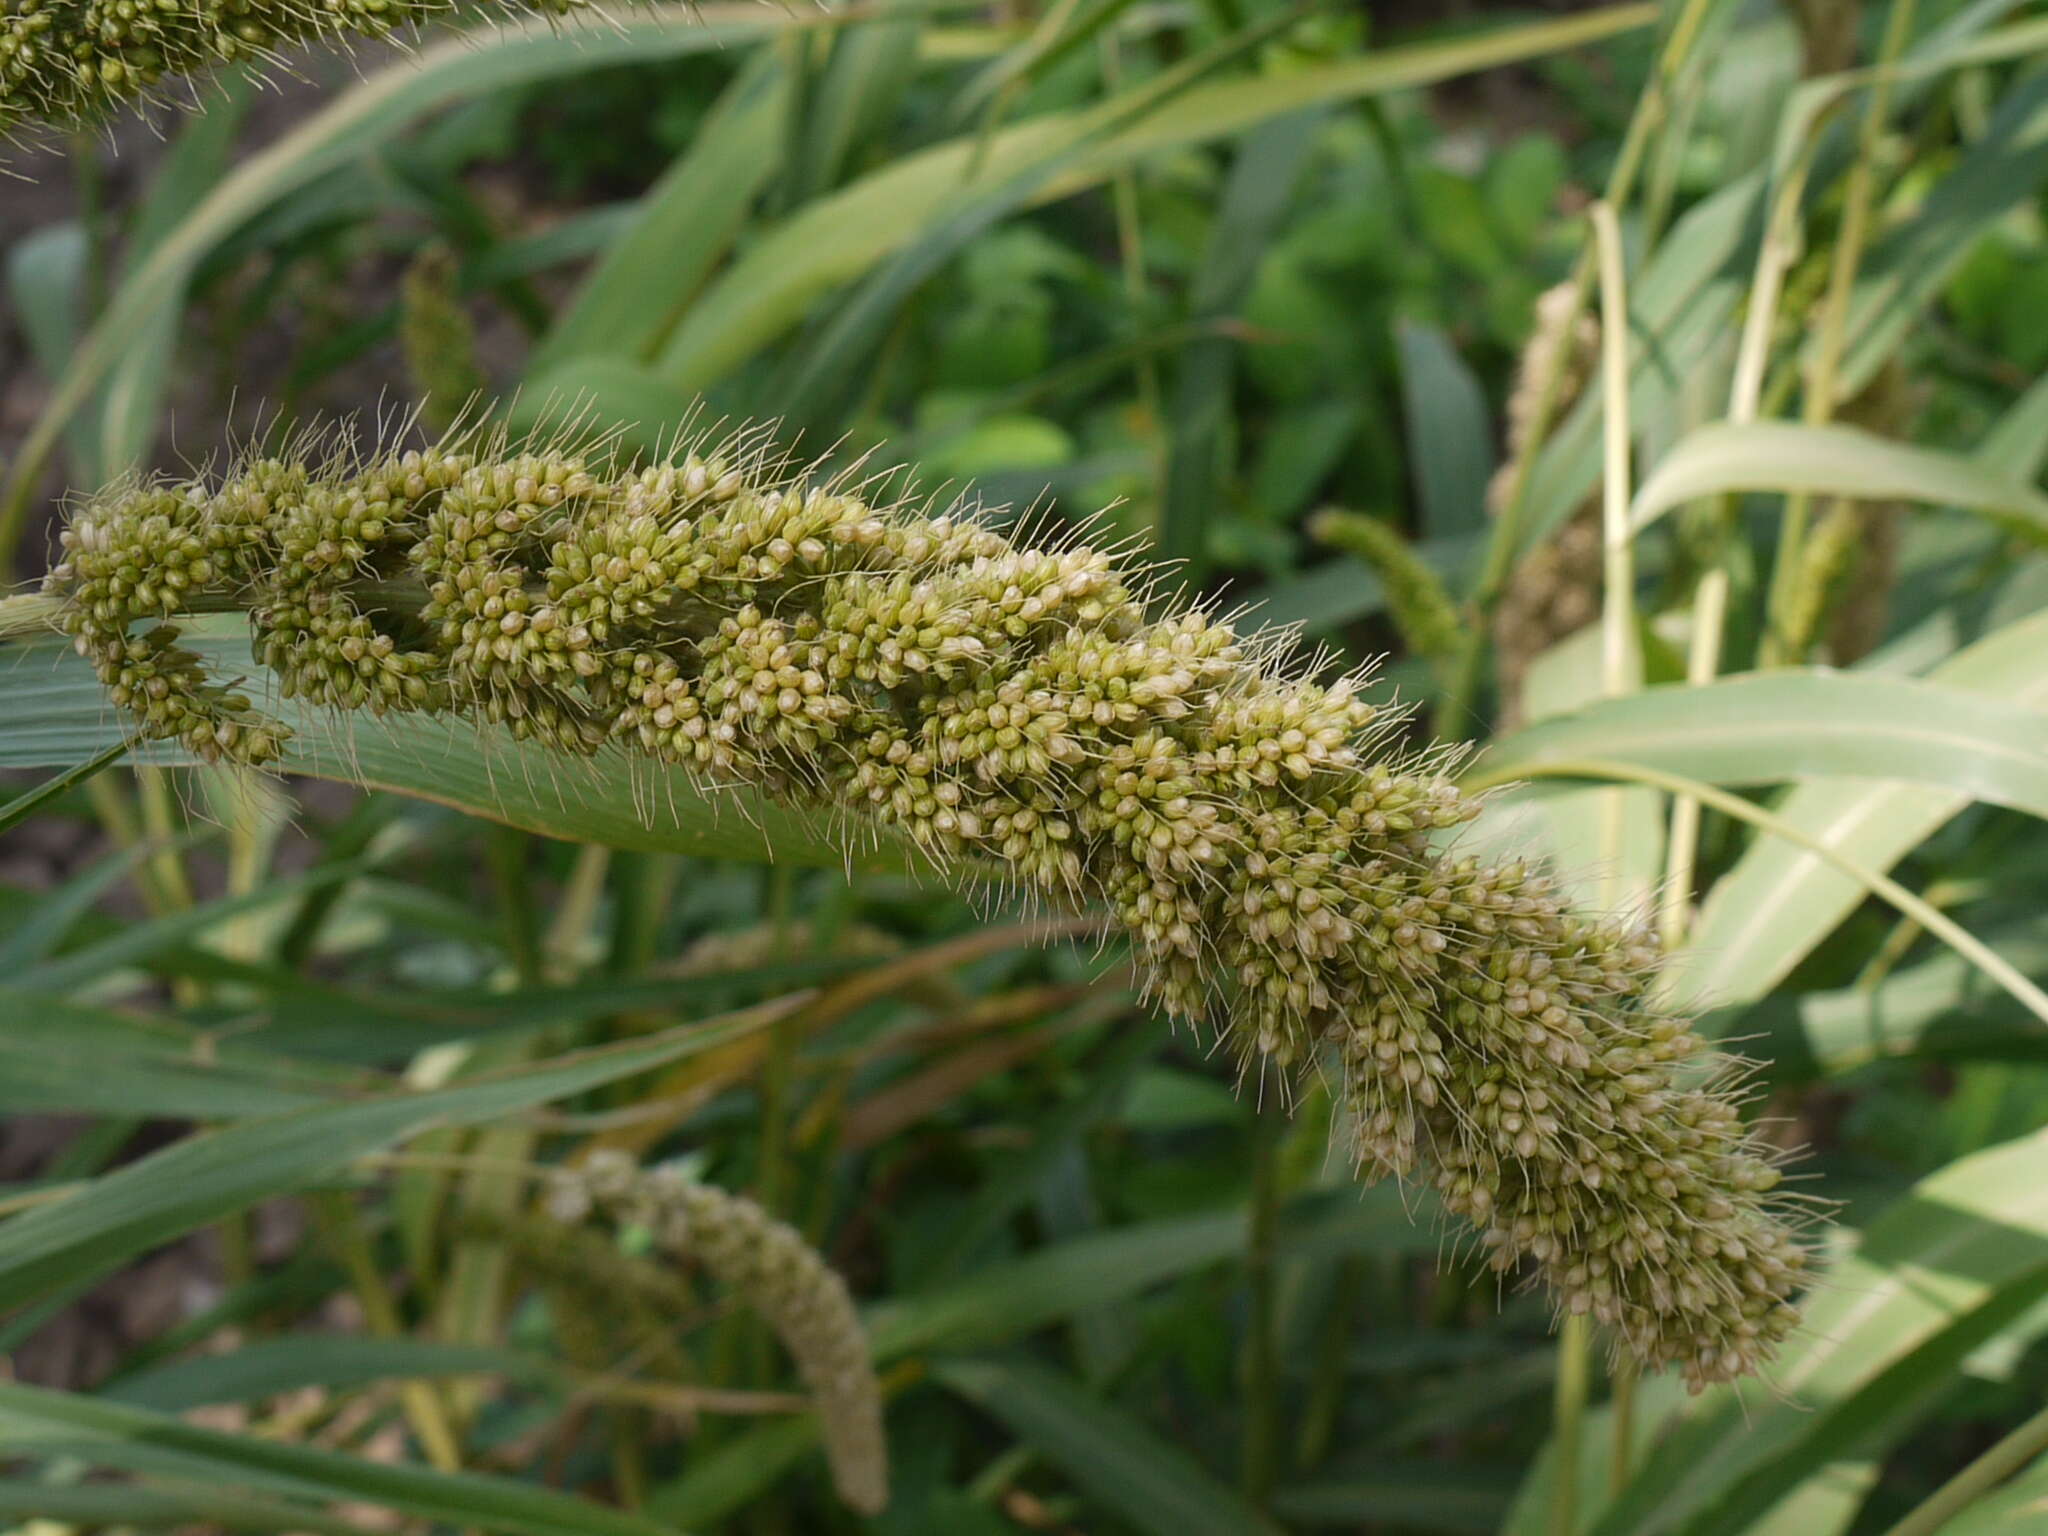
(1285, 873)
(766, 1264)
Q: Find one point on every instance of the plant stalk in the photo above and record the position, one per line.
(1622, 1410)
(1574, 1370)
(1977, 1479)
(1617, 677)
(1261, 1448)
(1710, 597)
(1455, 713)
(1847, 258)
(336, 1214)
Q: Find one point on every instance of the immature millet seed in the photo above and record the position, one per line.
(766, 1264)
(1282, 872)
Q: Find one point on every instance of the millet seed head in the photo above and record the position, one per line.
(1284, 874)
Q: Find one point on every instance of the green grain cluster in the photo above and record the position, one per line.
(438, 339)
(766, 1264)
(1284, 871)
(71, 62)
(1421, 606)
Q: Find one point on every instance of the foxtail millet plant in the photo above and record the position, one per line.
(64, 63)
(438, 339)
(1554, 590)
(1420, 605)
(766, 1264)
(1285, 872)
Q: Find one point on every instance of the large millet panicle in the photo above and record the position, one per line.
(1283, 873)
(66, 62)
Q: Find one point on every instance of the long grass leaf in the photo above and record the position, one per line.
(35, 1419)
(207, 1176)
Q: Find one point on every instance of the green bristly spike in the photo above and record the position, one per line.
(1417, 600)
(64, 63)
(1276, 858)
(767, 1265)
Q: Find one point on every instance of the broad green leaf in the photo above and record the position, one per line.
(1781, 900)
(835, 239)
(57, 715)
(208, 1175)
(1947, 1267)
(59, 1073)
(162, 1505)
(263, 1368)
(1791, 457)
(1941, 1008)
(1124, 1466)
(1203, 444)
(1763, 728)
(679, 229)
(1419, 1495)
(23, 806)
(28, 1019)
(35, 1420)
(1449, 433)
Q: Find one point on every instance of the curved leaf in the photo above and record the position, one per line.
(1792, 457)
(1796, 724)
(209, 1175)
(679, 229)
(37, 1420)
(1155, 1485)
(265, 1367)
(1781, 900)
